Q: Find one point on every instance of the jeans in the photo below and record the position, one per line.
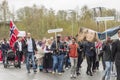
(73, 65)
(67, 61)
(30, 56)
(58, 62)
(108, 66)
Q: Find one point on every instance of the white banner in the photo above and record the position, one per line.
(105, 18)
(55, 30)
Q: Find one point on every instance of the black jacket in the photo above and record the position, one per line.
(34, 45)
(81, 48)
(16, 46)
(107, 55)
(88, 50)
(57, 49)
(116, 51)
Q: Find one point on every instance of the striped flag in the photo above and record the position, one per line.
(13, 34)
(98, 45)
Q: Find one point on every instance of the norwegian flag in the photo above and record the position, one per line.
(98, 45)
(13, 34)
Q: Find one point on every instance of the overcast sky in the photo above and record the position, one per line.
(64, 4)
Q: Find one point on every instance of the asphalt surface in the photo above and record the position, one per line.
(12, 73)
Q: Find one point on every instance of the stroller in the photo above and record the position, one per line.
(10, 59)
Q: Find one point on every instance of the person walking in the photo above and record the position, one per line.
(116, 55)
(73, 54)
(39, 55)
(47, 61)
(80, 56)
(4, 47)
(31, 50)
(24, 49)
(19, 50)
(58, 55)
(107, 56)
(89, 51)
(67, 42)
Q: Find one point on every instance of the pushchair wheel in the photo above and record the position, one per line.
(15, 64)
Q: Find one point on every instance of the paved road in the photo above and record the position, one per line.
(12, 73)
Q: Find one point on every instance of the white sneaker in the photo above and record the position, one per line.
(114, 74)
(66, 68)
(74, 76)
(60, 73)
(53, 72)
(71, 76)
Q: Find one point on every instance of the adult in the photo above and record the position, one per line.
(80, 56)
(19, 50)
(31, 50)
(47, 61)
(24, 48)
(73, 54)
(4, 47)
(39, 55)
(107, 48)
(58, 55)
(89, 51)
(116, 55)
(67, 42)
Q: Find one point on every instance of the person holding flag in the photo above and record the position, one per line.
(19, 49)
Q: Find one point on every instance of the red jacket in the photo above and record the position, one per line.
(73, 50)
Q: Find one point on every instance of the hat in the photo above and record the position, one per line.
(58, 35)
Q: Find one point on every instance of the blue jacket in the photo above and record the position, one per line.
(89, 49)
(5, 47)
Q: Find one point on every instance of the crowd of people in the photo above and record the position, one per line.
(56, 55)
